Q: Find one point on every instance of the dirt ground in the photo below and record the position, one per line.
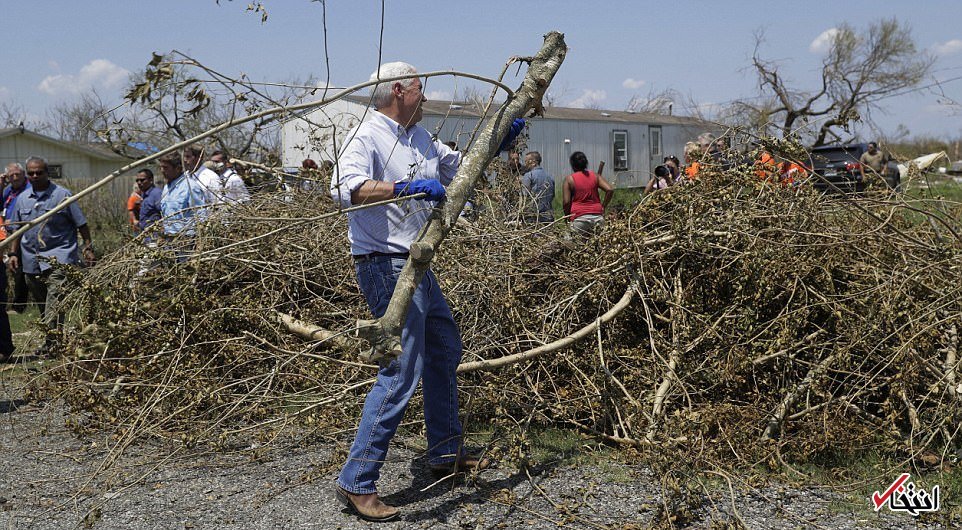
(50, 478)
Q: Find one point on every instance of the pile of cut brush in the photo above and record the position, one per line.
(728, 319)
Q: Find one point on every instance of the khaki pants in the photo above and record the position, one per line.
(586, 226)
(47, 289)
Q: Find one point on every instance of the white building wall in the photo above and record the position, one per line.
(676, 136)
(318, 134)
(556, 140)
(16, 148)
(79, 169)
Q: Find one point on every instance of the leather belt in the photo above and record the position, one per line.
(359, 258)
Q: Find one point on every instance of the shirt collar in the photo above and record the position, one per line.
(396, 128)
(39, 194)
(176, 181)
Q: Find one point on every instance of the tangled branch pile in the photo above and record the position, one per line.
(753, 320)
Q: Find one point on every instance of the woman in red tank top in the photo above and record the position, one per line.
(582, 205)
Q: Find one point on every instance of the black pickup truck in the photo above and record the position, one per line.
(837, 169)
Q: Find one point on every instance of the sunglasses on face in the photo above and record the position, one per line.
(35, 173)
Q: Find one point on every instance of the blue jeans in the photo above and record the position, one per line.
(431, 344)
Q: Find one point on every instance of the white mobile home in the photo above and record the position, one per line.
(630, 144)
(74, 164)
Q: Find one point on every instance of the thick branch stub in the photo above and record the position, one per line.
(385, 346)
(422, 252)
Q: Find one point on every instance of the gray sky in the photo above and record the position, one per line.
(57, 49)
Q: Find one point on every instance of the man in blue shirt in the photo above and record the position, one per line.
(17, 178)
(538, 188)
(150, 205)
(183, 199)
(53, 241)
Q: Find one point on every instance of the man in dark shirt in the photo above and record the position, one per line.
(538, 186)
(873, 160)
(150, 206)
(17, 179)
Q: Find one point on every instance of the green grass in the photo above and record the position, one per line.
(935, 187)
(545, 446)
(26, 338)
(24, 322)
(933, 195)
(553, 444)
(857, 476)
(622, 199)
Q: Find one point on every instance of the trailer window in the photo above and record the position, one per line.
(619, 143)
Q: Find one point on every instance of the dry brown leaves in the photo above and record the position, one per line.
(770, 322)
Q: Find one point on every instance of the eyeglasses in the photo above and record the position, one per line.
(35, 173)
(142, 180)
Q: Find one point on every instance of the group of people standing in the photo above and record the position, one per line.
(712, 152)
(34, 259)
(581, 199)
(190, 188)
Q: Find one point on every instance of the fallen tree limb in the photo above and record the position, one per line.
(661, 393)
(774, 426)
(490, 364)
(951, 351)
(311, 332)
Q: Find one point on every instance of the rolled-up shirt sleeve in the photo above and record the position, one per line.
(354, 166)
(450, 161)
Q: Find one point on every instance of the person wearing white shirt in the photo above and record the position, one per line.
(232, 186)
(389, 156)
(210, 181)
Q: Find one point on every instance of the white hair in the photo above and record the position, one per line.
(381, 94)
(31, 159)
(15, 165)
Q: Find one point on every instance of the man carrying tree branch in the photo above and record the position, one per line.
(389, 156)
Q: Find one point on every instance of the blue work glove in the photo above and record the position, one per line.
(516, 127)
(433, 188)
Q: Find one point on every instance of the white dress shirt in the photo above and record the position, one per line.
(381, 149)
(233, 187)
(210, 182)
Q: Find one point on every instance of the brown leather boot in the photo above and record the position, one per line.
(465, 464)
(366, 506)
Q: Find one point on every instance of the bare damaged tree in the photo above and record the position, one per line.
(14, 115)
(79, 121)
(556, 93)
(176, 98)
(472, 95)
(660, 102)
(858, 71)
(752, 117)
